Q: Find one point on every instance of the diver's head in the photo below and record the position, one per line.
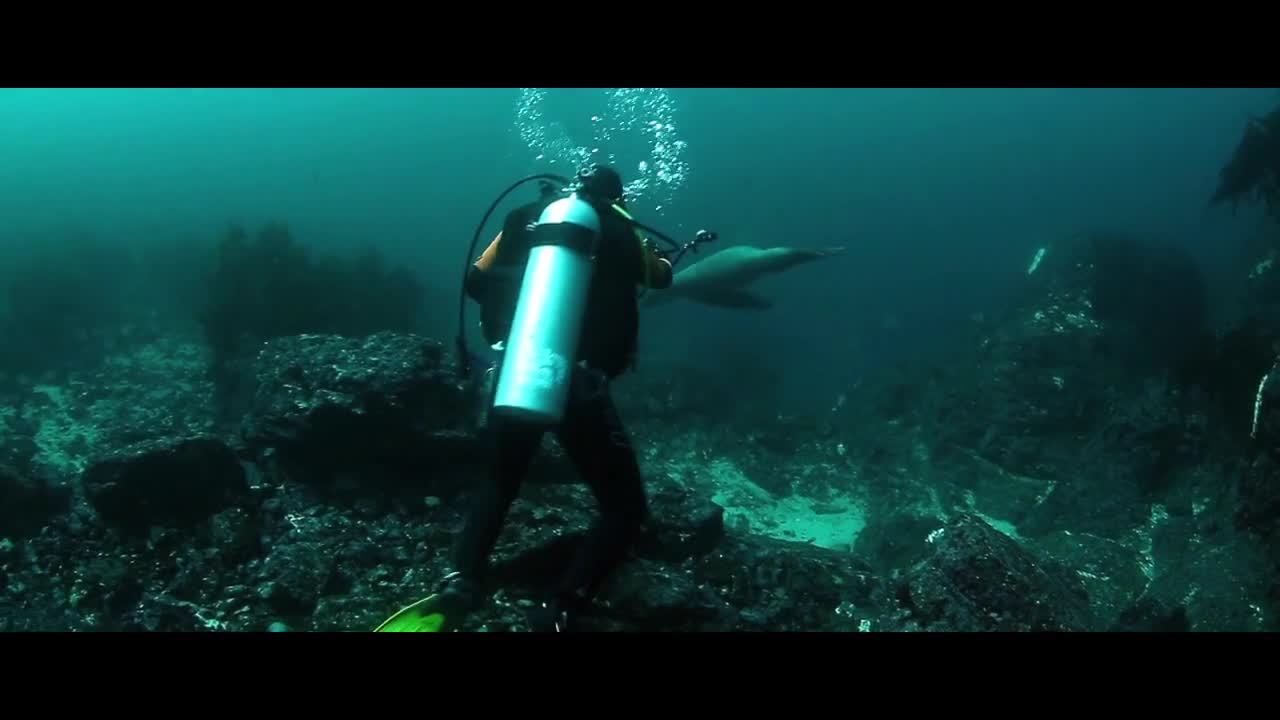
(601, 181)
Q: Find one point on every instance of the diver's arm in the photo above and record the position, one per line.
(485, 273)
(475, 284)
(480, 274)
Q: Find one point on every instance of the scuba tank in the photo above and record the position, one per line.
(539, 355)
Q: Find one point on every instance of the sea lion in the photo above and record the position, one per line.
(721, 280)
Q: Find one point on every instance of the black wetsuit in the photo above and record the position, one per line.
(591, 434)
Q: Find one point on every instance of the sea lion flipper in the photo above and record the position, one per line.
(735, 299)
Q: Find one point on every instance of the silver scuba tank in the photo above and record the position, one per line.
(542, 347)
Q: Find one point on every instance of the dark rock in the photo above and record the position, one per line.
(175, 484)
(651, 597)
(996, 492)
(1057, 388)
(386, 411)
(27, 503)
(682, 525)
(895, 540)
(1148, 615)
(1258, 500)
(1233, 366)
(751, 584)
(1218, 588)
(17, 438)
(23, 617)
(1257, 514)
(1140, 304)
(296, 576)
(779, 586)
(981, 580)
(107, 585)
(236, 534)
(1101, 480)
(1112, 574)
(544, 530)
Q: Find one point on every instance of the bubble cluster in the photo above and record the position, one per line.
(635, 132)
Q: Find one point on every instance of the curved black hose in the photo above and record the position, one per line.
(464, 357)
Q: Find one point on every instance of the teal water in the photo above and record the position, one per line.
(941, 195)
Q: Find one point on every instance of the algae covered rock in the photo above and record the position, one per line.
(978, 579)
(175, 484)
(27, 502)
(387, 405)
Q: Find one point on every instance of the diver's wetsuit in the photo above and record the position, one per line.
(593, 437)
(591, 434)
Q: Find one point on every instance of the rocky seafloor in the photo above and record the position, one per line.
(1060, 474)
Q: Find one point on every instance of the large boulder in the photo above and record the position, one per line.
(1097, 312)
(1084, 383)
(168, 483)
(134, 399)
(387, 412)
(978, 579)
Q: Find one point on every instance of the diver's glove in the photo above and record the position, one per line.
(702, 236)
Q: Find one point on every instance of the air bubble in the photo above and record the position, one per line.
(636, 129)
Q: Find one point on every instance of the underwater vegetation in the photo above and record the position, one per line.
(269, 286)
(1252, 174)
(1253, 171)
(67, 304)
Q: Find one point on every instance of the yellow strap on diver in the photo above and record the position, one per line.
(644, 245)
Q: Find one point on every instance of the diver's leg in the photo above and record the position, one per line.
(514, 445)
(597, 443)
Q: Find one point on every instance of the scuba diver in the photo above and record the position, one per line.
(557, 288)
